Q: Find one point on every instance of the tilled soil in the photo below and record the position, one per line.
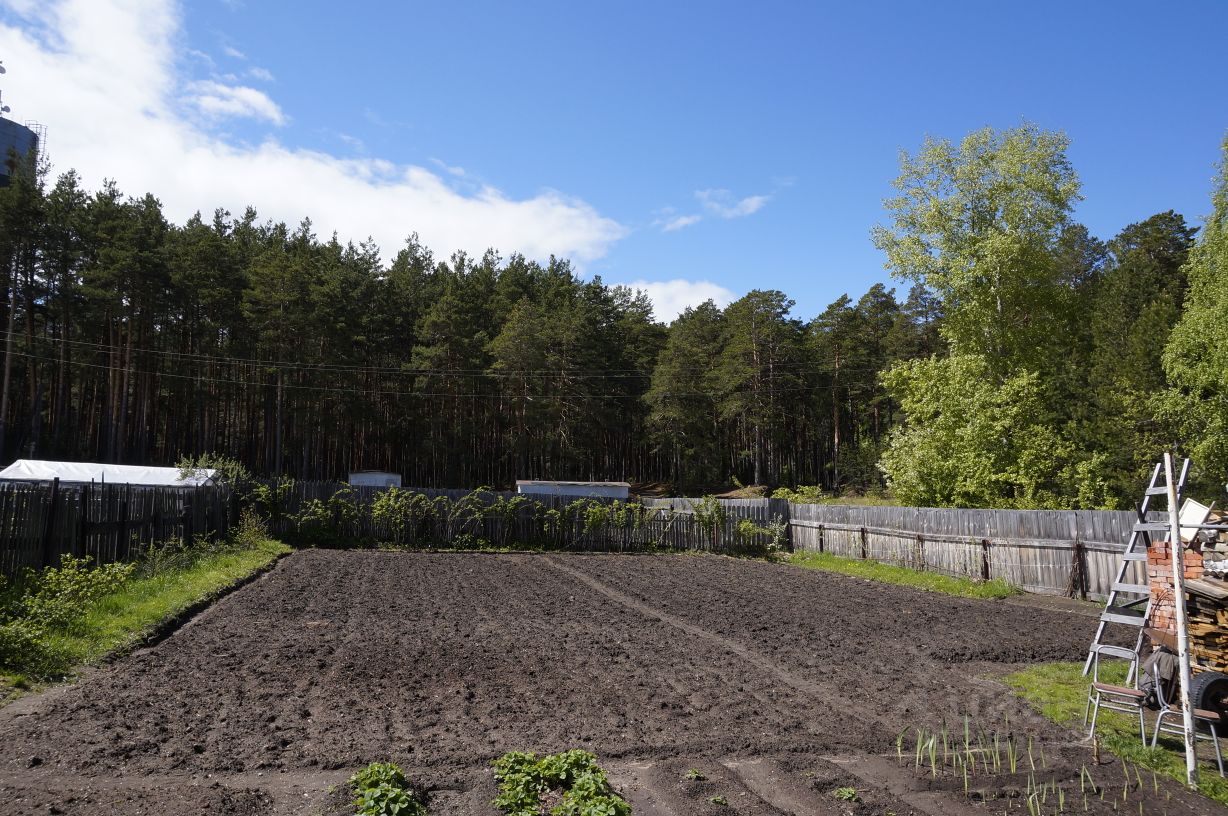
(779, 685)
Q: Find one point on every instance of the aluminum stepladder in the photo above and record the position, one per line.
(1133, 610)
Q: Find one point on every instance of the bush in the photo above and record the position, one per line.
(251, 530)
(54, 601)
(381, 789)
(23, 648)
(57, 598)
(805, 494)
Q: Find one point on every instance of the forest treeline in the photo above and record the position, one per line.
(1027, 363)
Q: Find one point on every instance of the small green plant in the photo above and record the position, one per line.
(846, 794)
(381, 789)
(57, 597)
(719, 800)
(523, 779)
(695, 776)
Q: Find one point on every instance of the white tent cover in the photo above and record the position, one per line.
(38, 470)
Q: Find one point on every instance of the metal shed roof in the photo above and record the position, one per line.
(584, 484)
(39, 470)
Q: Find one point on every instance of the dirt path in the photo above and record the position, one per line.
(778, 685)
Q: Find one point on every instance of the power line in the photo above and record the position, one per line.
(605, 373)
(771, 392)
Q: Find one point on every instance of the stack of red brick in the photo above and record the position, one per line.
(1160, 578)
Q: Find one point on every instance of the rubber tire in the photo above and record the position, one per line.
(1209, 690)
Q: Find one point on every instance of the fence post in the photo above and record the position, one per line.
(821, 547)
(1078, 571)
(83, 528)
(984, 559)
(49, 521)
(125, 525)
(864, 553)
(920, 553)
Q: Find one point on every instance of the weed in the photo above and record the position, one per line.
(719, 800)
(846, 794)
(695, 776)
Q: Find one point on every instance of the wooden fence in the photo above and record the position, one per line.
(504, 519)
(1052, 552)
(1060, 552)
(39, 522)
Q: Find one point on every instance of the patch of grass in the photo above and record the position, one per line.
(121, 619)
(1059, 692)
(890, 574)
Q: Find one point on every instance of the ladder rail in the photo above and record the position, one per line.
(1140, 533)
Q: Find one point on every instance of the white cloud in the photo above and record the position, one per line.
(678, 222)
(724, 204)
(233, 53)
(353, 141)
(103, 76)
(671, 298)
(451, 170)
(260, 74)
(220, 100)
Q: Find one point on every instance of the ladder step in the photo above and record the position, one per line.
(1137, 589)
(1123, 614)
(1157, 491)
(1116, 651)
(1150, 527)
(1134, 556)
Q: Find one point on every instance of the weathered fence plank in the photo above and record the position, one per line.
(40, 522)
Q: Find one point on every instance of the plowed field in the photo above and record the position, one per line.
(778, 684)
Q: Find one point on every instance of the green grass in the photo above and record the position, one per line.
(1059, 692)
(889, 574)
(119, 621)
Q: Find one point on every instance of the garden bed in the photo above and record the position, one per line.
(785, 689)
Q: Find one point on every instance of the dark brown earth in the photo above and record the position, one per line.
(778, 684)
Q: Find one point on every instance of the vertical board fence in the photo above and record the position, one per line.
(505, 519)
(1059, 552)
(39, 522)
(1053, 552)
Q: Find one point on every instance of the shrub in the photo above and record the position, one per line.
(381, 789)
(54, 600)
(251, 530)
(58, 597)
(230, 471)
(23, 647)
(804, 494)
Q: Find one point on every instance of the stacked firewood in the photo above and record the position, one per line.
(1207, 614)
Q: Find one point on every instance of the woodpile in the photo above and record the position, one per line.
(1207, 610)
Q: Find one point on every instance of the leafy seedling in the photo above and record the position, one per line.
(846, 794)
(695, 776)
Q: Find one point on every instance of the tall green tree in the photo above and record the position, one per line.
(1196, 357)
(984, 225)
(685, 420)
(980, 224)
(759, 378)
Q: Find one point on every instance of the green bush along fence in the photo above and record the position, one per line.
(328, 513)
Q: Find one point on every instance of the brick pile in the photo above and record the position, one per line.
(1207, 617)
(1160, 578)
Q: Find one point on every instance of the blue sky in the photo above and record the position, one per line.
(735, 145)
